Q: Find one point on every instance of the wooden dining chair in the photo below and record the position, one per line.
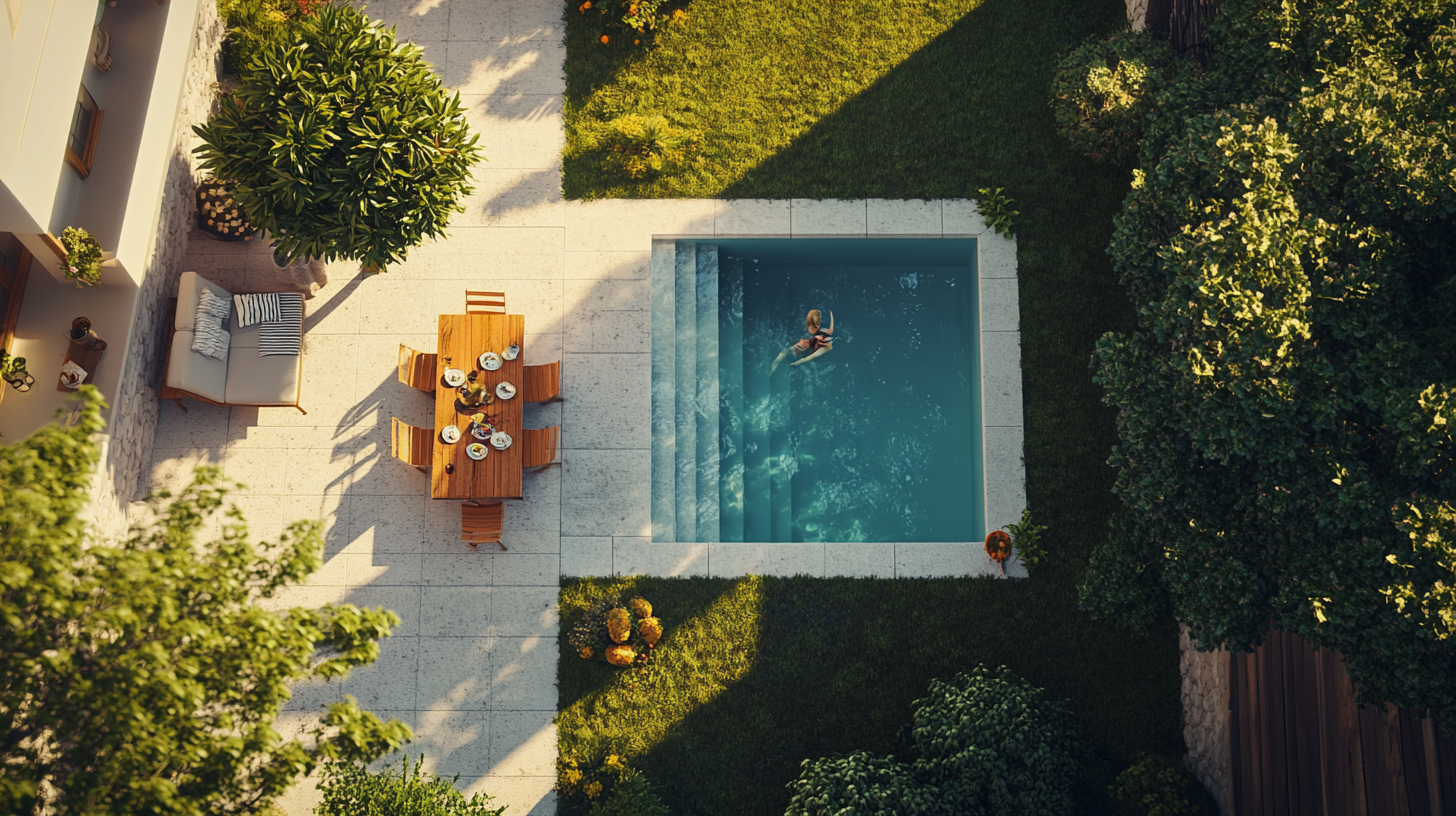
(542, 383)
(540, 450)
(417, 369)
(482, 522)
(415, 446)
(485, 302)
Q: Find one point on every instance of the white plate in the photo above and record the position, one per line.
(490, 361)
(476, 451)
(512, 352)
(501, 440)
(505, 390)
(481, 431)
(450, 434)
(454, 377)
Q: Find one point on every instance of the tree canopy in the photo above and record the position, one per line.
(343, 142)
(1285, 407)
(143, 676)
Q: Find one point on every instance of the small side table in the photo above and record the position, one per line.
(83, 357)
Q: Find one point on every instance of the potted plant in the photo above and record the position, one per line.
(304, 142)
(12, 371)
(83, 256)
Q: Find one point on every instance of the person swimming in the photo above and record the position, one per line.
(814, 343)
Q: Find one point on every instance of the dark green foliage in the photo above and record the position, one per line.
(1155, 785)
(754, 675)
(343, 142)
(1285, 407)
(350, 789)
(1026, 536)
(142, 677)
(1104, 90)
(984, 742)
(632, 795)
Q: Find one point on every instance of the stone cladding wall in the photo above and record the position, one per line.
(134, 415)
(1206, 717)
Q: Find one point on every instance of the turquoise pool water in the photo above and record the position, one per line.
(877, 440)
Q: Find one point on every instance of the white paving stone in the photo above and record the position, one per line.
(733, 560)
(752, 217)
(1001, 378)
(960, 217)
(835, 217)
(908, 218)
(859, 560)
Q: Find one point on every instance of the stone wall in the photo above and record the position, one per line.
(134, 416)
(1206, 717)
(1137, 14)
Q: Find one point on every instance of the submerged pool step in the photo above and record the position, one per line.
(706, 422)
(730, 399)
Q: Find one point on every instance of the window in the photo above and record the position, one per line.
(85, 127)
(14, 263)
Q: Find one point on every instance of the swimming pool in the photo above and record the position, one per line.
(878, 440)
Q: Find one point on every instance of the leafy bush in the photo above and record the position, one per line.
(1285, 407)
(984, 742)
(640, 17)
(1026, 537)
(995, 207)
(631, 796)
(253, 24)
(643, 146)
(351, 790)
(83, 256)
(1155, 785)
(343, 142)
(1105, 88)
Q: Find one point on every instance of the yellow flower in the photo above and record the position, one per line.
(587, 653)
(592, 789)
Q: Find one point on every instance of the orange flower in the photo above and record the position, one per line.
(586, 652)
(605, 39)
(586, 5)
(636, 42)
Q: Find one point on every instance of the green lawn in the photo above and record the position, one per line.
(928, 99)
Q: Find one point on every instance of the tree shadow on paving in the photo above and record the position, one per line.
(840, 662)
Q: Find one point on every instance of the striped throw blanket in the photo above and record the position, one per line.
(283, 336)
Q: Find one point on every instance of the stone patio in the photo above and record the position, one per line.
(472, 669)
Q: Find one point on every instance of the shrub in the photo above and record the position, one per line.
(1026, 537)
(631, 796)
(995, 207)
(351, 790)
(83, 256)
(639, 17)
(1155, 785)
(619, 634)
(643, 146)
(253, 24)
(342, 142)
(1104, 90)
(984, 742)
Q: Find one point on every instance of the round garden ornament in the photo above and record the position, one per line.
(998, 546)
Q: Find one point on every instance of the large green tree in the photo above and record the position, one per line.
(143, 676)
(343, 142)
(1286, 406)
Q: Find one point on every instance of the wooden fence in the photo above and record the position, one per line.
(1300, 745)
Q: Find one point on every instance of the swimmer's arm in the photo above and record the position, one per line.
(831, 322)
(822, 350)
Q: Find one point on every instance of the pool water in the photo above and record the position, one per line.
(876, 440)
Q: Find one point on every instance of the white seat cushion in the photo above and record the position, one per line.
(254, 380)
(190, 371)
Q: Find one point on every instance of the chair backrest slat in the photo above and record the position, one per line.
(485, 302)
(415, 446)
(540, 449)
(417, 368)
(542, 382)
(482, 523)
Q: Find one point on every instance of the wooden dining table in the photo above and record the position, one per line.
(454, 475)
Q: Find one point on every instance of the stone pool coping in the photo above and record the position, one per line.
(632, 226)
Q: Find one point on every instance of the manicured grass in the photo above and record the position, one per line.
(927, 99)
(755, 675)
